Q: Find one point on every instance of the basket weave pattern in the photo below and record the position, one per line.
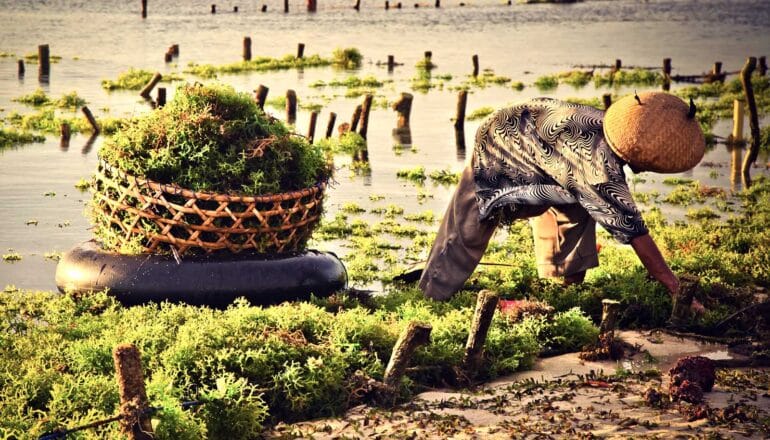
(167, 217)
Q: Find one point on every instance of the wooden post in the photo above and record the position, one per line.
(391, 63)
(404, 108)
(666, 74)
(144, 8)
(387, 5)
(311, 5)
(413, 336)
(285, 6)
(428, 55)
(311, 129)
(736, 137)
(716, 71)
(91, 119)
(264, 8)
(610, 311)
(751, 103)
(482, 319)
(475, 66)
(175, 49)
(161, 101)
(607, 100)
(300, 50)
(213, 9)
(462, 100)
(618, 65)
(261, 96)
(438, 4)
(365, 115)
(291, 106)
(398, 5)
(330, 125)
(762, 66)
(133, 398)
(44, 68)
(21, 69)
(145, 92)
(356, 118)
(246, 48)
(235, 9)
(357, 6)
(168, 57)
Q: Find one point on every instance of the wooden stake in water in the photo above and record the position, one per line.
(330, 125)
(285, 6)
(291, 106)
(44, 67)
(356, 118)
(462, 100)
(365, 109)
(264, 8)
(438, 4)
(261, 96)
(235, 9)
(486, 303)
(91, 120)
(311, 129)
(762, 67)
(213, 9)
(246, 48)
(716, 71)
(404, 108)
(311, 5)
(168, 57)
(736, 137)
(475, 66)
(748, 89)
(391, 62)
(21, 69)
(415, 335)
(65, 132)
(133, 398)
(144, 8)
(145, 92)
(174, 49)
(666, 74)
(300, 50)
(357, 6)
(387, 5)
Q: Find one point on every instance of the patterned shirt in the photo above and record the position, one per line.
(545, 152)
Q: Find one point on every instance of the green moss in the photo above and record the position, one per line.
(10, 137)
(444, 177)
(70, 101)
(347, 58)
(634, 77)
(575, 78)
(135, 79)
(36, 99)
(480, 113)
(547, 82)
(349, 143)
(416, 174)
(204, 140)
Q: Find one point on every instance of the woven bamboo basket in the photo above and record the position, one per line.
(166, 217)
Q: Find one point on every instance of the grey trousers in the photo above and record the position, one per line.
(565, 241)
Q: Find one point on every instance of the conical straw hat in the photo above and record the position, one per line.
(659, 134)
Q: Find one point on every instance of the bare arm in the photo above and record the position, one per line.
(653, 261)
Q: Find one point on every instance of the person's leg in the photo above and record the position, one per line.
(565, 243)
(460, 243)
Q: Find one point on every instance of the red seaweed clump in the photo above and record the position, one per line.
(691, 377)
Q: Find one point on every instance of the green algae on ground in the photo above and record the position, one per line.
(350, 143)
(12, 256)
(48, 120)
(416, 174)
(252, 366)
(135, 79)
(347, 58)
(36, 99)
(624, 77)
(479, 113)
(444, 177)
(39, 98)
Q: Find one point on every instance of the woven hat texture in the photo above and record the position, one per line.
(656, 135)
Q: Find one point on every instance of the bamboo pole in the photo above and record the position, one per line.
(330, 125)
(291, 106)
(356, 118)
(135, 423)
(404, 109)
(44, 66)
(736, 137)
(91, 120)
(246, 48)
(751, 103)
(482, 319)
(365, 110)
(311, 129)
(413, 336)
(161, 100)
(607, 100)
(145, 92)
(261, 96)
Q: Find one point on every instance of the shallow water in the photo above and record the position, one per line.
(519, 41)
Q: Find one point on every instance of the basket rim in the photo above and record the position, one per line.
(174, 189)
